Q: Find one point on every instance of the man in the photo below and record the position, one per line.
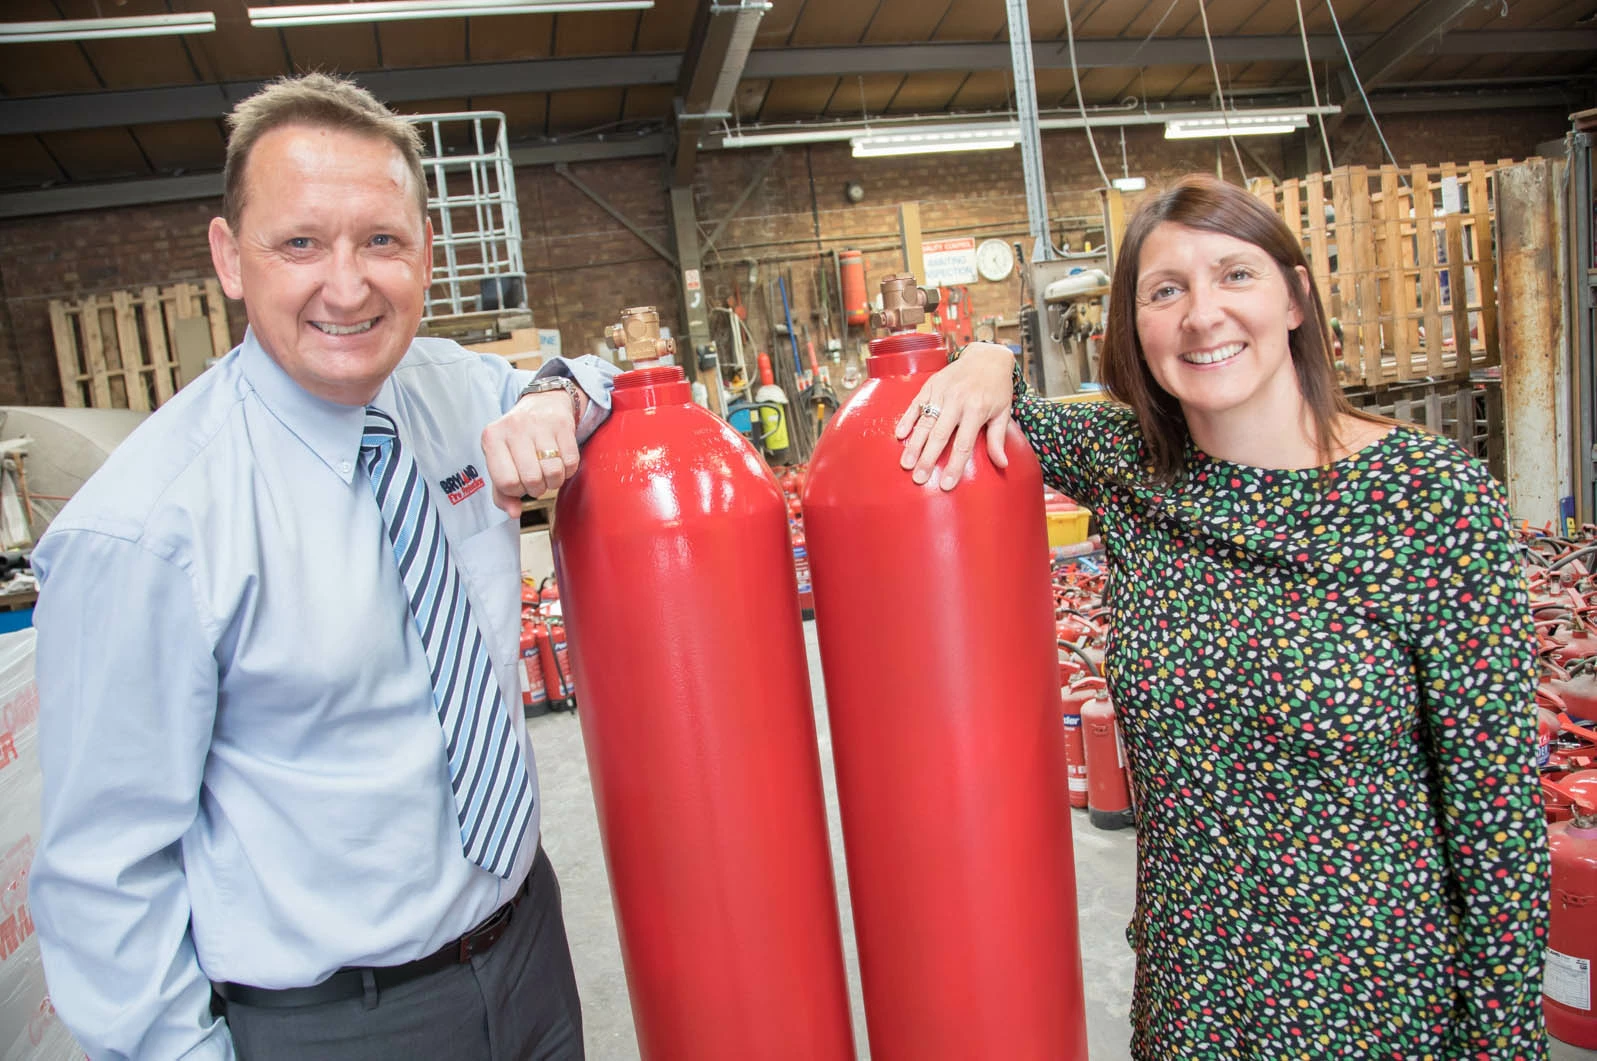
(277, 645)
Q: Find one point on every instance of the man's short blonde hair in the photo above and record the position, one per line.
(323, 102)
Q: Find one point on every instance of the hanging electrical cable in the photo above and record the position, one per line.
(1151, 32)
(1081, 104)
(1308, 60)
(1214, 67)
(1353, 72)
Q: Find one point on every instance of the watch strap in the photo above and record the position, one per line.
(549, 383)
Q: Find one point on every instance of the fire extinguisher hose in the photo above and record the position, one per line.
(1092, 668)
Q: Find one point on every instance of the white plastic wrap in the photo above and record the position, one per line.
(29, 1028)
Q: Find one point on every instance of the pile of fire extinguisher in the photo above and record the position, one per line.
(1564, 606)
(1099, 777)
(546, 683)
(792, 481)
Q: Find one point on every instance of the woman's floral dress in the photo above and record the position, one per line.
(1324, 680)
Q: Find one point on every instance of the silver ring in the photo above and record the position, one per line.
(930, 411)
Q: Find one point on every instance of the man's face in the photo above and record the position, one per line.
(331, 258)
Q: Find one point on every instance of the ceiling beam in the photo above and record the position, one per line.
(1167, 51)
(70, 198)
(97, 110)
(93, 110)
(75, 197)
(1378, 61)
(925, 58)
(718, 51)
(1424, 25)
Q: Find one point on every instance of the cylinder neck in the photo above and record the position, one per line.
(905, 354)
(646, 388)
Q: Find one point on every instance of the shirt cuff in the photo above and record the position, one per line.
(596, 377)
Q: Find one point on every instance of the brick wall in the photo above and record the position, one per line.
(68, 255)
(583, 266)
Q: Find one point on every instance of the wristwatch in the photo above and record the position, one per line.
(553, 383)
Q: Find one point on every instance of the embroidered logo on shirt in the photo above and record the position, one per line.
(462, 484)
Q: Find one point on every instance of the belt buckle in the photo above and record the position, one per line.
(486, 934)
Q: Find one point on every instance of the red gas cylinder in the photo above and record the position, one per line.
(1108, 794)
(534, 693)
(671, 543)
(935, 622)
(856, 304)
(1567, 997)
(1071, 697)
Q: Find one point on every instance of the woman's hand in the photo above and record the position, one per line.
(972, 393)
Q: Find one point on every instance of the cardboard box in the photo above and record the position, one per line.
(524, 348)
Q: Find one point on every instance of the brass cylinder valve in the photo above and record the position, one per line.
(904, 304)
(637, 337)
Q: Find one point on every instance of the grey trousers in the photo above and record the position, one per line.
(517, 1002)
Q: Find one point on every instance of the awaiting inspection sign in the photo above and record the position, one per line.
(949, 261)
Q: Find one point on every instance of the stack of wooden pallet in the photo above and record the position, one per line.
(1404, 260)
(135, 349)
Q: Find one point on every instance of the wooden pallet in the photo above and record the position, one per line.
(1467, 411)
(135, 349)
(1404, 260)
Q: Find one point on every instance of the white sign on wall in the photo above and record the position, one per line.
(549, 343)
(949, 261)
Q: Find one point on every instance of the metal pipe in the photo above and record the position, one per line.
(1530, 290)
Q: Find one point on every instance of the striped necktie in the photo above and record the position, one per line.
(487, 771)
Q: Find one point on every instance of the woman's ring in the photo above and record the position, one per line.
(930, 411)
(548, 454)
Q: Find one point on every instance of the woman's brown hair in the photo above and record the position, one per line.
(1202, 202)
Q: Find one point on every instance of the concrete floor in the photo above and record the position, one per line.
(1105, 875)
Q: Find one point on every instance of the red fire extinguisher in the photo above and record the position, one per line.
(856, 305)
(1108, 793)
(680, 601)
(548, 596)
(1081, 689)
(951, 776)
(1567, 997)
(556, 661)
(534, 693)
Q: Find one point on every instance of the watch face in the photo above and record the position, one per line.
(994, 259)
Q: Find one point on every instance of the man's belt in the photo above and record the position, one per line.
(351, 982)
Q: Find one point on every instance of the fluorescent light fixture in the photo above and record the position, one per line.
(90, 29)
(815, 134)
(934, 140)
(999, 122)
(404, 10)
(1235, 125)
(1130, 184)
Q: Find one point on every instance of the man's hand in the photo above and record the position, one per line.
(531, 450)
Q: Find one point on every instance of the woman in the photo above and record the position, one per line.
(1320, 656)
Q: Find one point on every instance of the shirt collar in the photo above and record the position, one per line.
(328, 429)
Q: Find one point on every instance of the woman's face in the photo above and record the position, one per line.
(1213, 316)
